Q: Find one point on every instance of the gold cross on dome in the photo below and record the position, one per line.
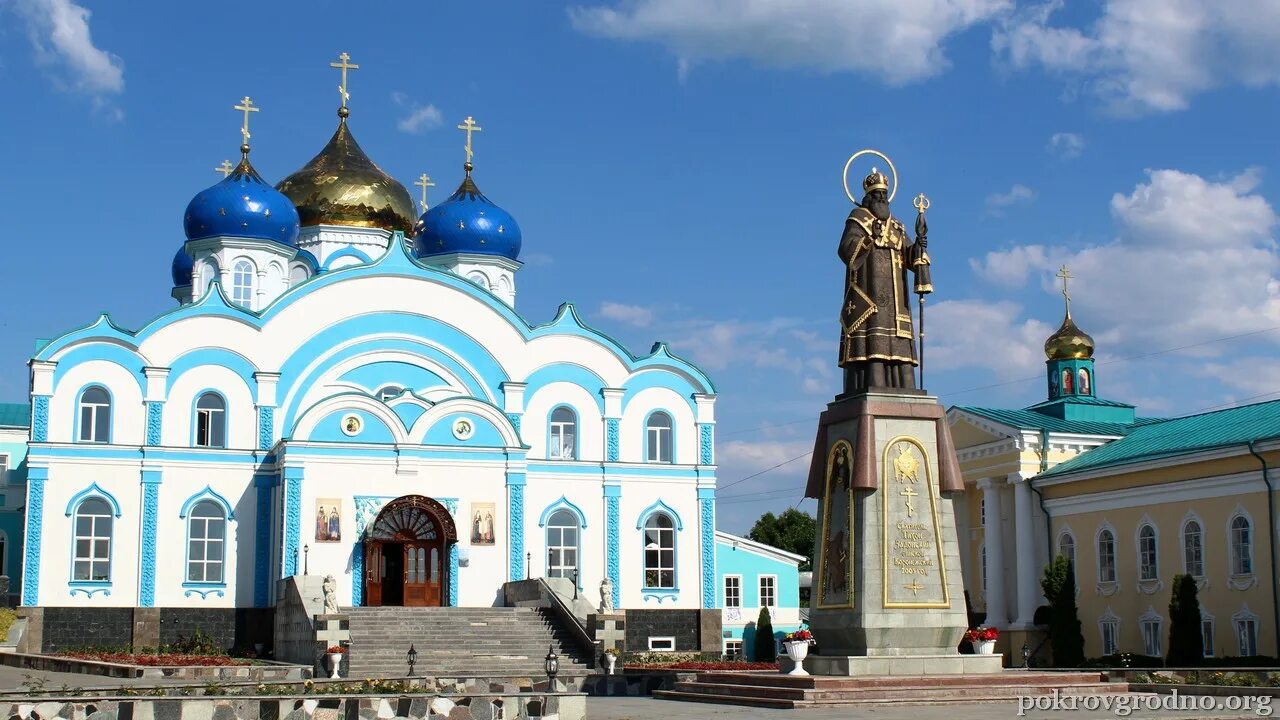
(915, 587)
(225, 168)
(1066, 276)
(344, 66)
(469, 126)
(246, 107)
(424, 182)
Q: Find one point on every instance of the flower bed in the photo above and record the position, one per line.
(728, 665)
(155, 660)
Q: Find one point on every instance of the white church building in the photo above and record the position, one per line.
(347, 388)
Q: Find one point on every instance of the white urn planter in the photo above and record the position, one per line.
(335, 663)
(797, 650)
(610, 660)
(985, 647)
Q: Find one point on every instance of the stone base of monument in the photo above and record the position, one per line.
(774, 690)
(898, 665)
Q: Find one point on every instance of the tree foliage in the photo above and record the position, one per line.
(794, 531)
(1186, 642)
(766, 649)
(1065, 637)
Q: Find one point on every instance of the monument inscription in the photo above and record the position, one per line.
(915, 574)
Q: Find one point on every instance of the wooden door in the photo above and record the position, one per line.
(374, 571)
(423, 574)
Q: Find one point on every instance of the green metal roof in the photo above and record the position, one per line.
(1032, 420)
(1180, 436)
(1081, 400)
(15, 415)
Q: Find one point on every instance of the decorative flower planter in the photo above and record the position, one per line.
(610, 660)
(335, 663)
(797, 650)
(985, 647)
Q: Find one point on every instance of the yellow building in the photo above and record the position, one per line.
(1131, 501)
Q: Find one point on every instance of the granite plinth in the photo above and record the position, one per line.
(899, 665)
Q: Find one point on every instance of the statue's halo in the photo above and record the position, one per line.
(845, 176)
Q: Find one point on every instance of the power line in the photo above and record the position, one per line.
(758, 474)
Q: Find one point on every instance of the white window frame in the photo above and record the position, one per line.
(205, 562)
(659, 438)
(242, 282)
(662, 644)
(210, 416)
(1244, 622)
(772, 581)
(96, 523)
(389, 392)
(89, 431)
(733, 647)
(738, 592)
(1097, 549)
(1187, 566)
(4, 468)
(660, 567)
(1109, 629)
(564, 569)
(1068, 536)
(557, 448)
(1211, 637)
(1148, 571)
(1235, 557)
(1151, 627)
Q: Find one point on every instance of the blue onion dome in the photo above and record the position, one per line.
(468, 222)
(182, 268)
(242, 205)
(342, 186)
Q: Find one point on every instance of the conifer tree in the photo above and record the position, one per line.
(766, 649)
(1059, 585)
(1186, 643)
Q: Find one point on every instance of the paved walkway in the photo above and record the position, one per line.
(607, 708)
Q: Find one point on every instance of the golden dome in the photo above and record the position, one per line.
(342, 186)
(1069, 342)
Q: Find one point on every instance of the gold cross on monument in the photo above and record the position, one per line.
(225, 168)
(1066, 275)
(909, 494)
(344, 66)
(469, 126)
(424, 182)
(915, 587)
(246, 107)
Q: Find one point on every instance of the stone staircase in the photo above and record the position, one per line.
(453, 641)
(774, 690)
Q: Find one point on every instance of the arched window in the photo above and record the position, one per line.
(659, 551)
(242, 284)
(1193, 549)
(1106, 556)
(206, 542)
(562, 544)
(95, 415)
(1066, 382)
(1082, 381)
(92, 547)
(562, 442)
(211, 421)
(389, 392)
(1241, 546)
(658, 438)
(1147, 560)
(1067, 548)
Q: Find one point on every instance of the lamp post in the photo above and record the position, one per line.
(306, 554)
(528, 560)
(412, 655)
(552, 667)
(1026, 656)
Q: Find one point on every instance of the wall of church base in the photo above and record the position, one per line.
(58, 629)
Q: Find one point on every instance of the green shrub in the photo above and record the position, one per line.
(1065, 637)
(1186, 642)
(766, 649)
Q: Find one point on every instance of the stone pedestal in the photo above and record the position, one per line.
(609, 630)
(887, 581)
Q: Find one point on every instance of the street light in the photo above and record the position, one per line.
(413, 657)
(552, 666)
(306, 554)
(528, 560)
(1026, 655)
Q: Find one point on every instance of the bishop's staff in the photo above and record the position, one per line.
(924, 282)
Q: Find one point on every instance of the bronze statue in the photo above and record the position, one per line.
(878, 347)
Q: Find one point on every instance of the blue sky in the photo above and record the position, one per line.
(674, 165)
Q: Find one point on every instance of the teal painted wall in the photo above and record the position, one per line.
(15, 496)
(750, 566)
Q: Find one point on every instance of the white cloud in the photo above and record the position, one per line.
(1194, 259)
(1066, 145)
(1019, 193)
(973, 333)
(628, 314)
(59, 33)
(1011, 268)
(1150, 55)
(899, 41)
(420, 118)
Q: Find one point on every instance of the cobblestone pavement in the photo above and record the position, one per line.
(627, 708)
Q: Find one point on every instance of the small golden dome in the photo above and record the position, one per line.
(1069, 342)
(342, 186)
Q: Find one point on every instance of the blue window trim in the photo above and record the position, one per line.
(645, 442)
(563, 504)
(577, 435)
(111, 413)
(208, 493)
(661, 593)
(204, 590)
(91, 587)
(226, 419)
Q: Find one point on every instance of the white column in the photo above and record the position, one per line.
(993, 538)
(1024, 528)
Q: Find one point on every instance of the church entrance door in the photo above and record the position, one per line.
(405, 552)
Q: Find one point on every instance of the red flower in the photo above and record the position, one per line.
(336, 650)
(982, 634)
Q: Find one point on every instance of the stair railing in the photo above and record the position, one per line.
(568, 620)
